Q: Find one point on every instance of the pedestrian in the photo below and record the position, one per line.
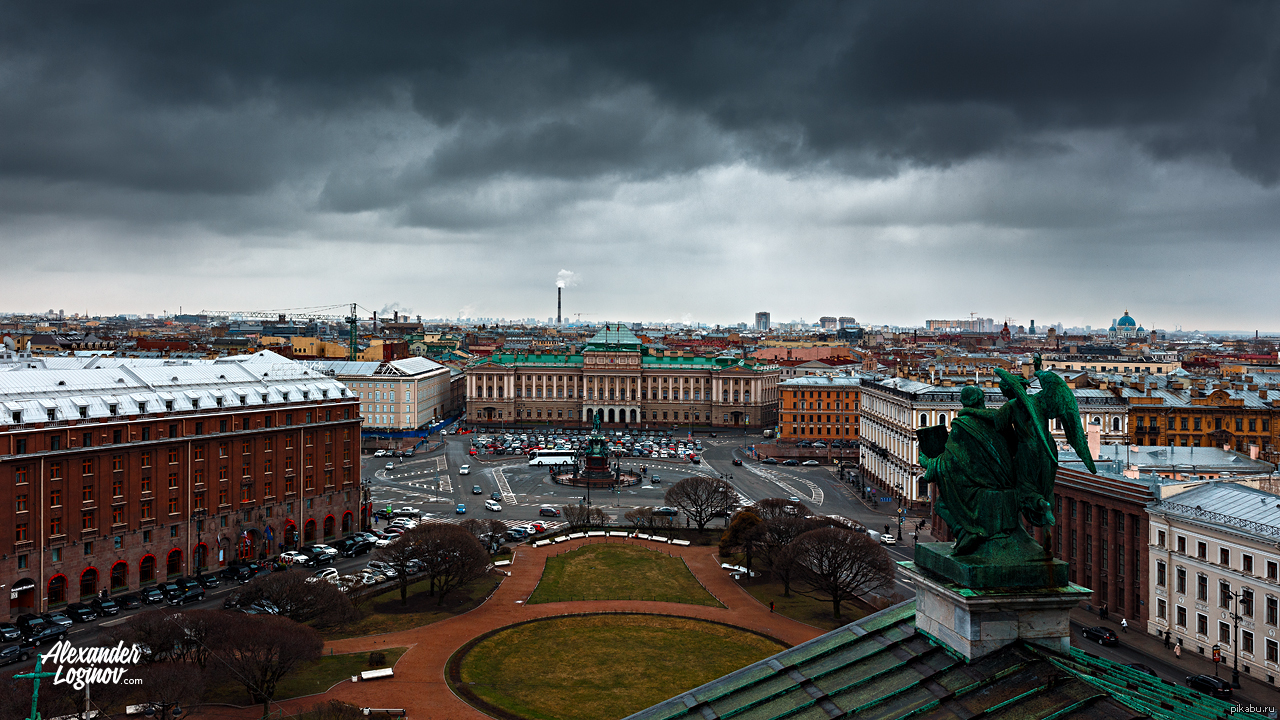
(770, 606)
(1166, 639)
(1102, 611)
(1177, 649)
(1124, 625)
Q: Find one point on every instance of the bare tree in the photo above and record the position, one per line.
(406, 555)
(258, 650)
(450, 557)
(773, 508)
(299, 599)
(839, 564)
(581, 515)
(640, 518)
(171, 683)
(489, 531)
(701, 498)
(740, 535)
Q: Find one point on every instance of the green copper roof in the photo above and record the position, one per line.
(614, 337)
(881, 668)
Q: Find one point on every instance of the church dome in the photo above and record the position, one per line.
(1126, 321)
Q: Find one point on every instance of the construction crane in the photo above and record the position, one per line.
(318, 312)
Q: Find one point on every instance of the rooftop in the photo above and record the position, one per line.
(882, 667)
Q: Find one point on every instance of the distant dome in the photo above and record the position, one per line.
(1141, 329)
(1126, 321)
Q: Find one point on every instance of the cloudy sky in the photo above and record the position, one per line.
(1061, 161)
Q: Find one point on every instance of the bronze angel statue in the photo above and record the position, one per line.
(996, 465)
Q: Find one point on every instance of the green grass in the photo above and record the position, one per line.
(619, 572)
(601, 667)
(308, 679)
(384, 613)
(798, 607)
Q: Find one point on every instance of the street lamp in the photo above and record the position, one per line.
(1234, 614)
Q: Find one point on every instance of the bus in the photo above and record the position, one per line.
(552, 457)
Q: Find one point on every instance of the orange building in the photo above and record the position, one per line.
(819, 407)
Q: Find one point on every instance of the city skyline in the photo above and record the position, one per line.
(881, 160)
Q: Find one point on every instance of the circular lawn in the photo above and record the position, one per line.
(598, 667)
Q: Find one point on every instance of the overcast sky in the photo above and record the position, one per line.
(897, 162)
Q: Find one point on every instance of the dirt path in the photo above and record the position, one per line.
(419, 684)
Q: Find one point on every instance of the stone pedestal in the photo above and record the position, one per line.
(975, 623)
(1001, 564)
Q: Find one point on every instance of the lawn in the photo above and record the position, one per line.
(610, 571)
(308, 679)
(601, 667)
(384, 613)
(798, 607)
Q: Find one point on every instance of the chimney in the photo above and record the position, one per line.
(1095, 439)
(559, 297)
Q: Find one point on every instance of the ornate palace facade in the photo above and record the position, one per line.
(629, 385)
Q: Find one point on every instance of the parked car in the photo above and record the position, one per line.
(46, 634)
(208, 582)
(516, 533)
(151, 595)
(29, 623)
(81, 613)
(769, 461)
(810, 462)
(1210, 685)
(15, 653)
(132, 601)
(1101, 634)
(187, 596)
(548, 511)
(293, 556)
(9, 632)
(464, 470)
(57, 618)
(887, 539)
(327, 574)
(792, 462)
(492, 505)
(105, 606)
(359, 547)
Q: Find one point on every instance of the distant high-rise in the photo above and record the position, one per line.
(762, 321)
(827, 322)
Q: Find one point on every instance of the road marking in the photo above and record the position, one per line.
(503, 486)
(818, 495)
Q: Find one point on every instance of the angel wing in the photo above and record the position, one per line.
(1055, 400)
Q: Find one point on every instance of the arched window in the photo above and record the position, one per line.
(290, 534)
(173, 566)
(1115, 424)
(942, 419)
(57, 589)
(309, 531)
(89, 582)
(201, 556)
(147, 569)
(328, 526)
(119, 576)
(924, 420)
(346, 522)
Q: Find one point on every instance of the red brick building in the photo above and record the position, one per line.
(118, 473)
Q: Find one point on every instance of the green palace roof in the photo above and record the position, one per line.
(614, 337)
(882, 668)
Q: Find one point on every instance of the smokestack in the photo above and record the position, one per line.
(559, 296)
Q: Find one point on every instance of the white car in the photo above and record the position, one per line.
(464, 470)
(887, 539)
(381, 568)
(381, 542)
(389, 466)
(293, 556)
(327, 574)
(492, 505)
(331, 552)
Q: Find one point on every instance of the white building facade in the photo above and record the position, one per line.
(396, 395)
(1215, 547)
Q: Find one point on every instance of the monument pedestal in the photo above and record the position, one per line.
(977, 622)
(1002, 563)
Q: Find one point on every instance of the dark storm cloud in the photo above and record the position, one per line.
(194, 97)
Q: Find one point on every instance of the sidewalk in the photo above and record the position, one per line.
(1192, 662)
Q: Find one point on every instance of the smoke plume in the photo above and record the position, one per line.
(566, 278)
